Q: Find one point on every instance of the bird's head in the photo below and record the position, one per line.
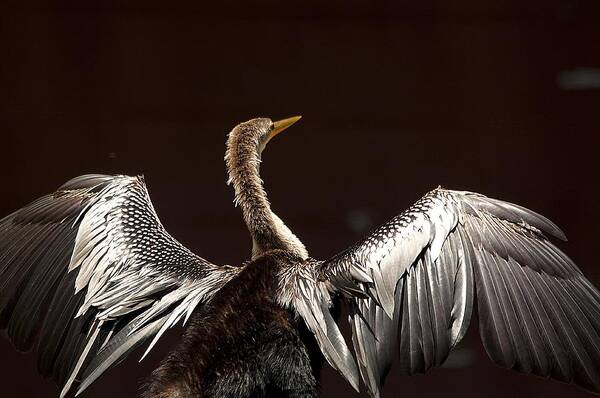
(254, 135)
(247, 141)
(245, 145)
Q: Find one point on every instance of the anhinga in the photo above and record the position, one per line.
(88, 273)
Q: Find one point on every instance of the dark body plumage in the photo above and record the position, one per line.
(88, 273)
(242, 344)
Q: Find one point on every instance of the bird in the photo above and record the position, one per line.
(88, 274)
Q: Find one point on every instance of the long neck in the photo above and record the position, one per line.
(267, 230)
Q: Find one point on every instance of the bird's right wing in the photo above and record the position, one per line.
(88, 273)
(412, 283)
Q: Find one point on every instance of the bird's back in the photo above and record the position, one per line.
(243, 344)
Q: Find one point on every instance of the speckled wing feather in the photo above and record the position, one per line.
(537, 312)
(88, 273)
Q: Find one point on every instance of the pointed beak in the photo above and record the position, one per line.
(281, 125)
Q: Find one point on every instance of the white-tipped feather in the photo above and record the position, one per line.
(127, 263)
(430, 258)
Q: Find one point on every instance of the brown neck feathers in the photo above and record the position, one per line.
(243, 157)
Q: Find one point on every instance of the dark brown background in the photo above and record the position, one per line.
(397, 98)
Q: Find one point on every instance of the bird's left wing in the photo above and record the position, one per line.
(412, 283)
(88, 273)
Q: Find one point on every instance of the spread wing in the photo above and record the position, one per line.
(537, 312)
(88, 273)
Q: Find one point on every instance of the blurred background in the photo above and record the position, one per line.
(499, 97)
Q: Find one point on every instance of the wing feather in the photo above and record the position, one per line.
(537, 312)
(88, 273)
